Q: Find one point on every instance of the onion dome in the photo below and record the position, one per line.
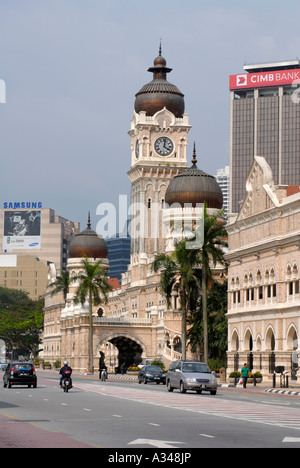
(159, 93)
(88, 244)
(193, 187)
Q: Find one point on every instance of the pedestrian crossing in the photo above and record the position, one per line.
(257, 413)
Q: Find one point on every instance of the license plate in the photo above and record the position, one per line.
(23, 374)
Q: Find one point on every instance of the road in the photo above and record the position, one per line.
(123, 414)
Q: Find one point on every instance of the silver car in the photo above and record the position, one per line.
(191, 375)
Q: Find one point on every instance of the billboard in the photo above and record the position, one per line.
(22, 230)
(265, 79)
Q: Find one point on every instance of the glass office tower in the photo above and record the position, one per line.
(264, 121)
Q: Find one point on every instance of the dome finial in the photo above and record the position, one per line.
(89, 221)
(160, 49)
(194, 160)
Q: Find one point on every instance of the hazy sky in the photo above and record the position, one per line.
(72, 69)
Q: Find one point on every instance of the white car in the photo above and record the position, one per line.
(3, 365)
(191, 375)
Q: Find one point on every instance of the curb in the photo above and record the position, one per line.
(282, 392)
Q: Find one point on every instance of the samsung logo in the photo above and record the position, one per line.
(22, 205)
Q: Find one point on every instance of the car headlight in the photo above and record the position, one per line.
(190, 380)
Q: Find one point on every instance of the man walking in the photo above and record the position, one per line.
(245, 375)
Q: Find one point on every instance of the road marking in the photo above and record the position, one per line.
(152, 424)
(156, 443)
(266, 414)
(207, 436)
(86, 409)
(63, 404)
(291, 440)
(117, 416)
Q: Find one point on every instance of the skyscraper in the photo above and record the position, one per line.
(222, 178)
(264, 121)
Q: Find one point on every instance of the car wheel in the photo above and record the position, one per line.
(182, 389)
(9, 385)
(213, 392)
(145, 381)
(140, 381)
(4, 385)
(169, 387)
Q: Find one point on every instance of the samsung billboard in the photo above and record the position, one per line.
(22, 230)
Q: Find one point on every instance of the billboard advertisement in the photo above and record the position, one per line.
(265, 79)
(22, 230)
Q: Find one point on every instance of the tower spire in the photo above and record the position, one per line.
(194, 160)
(89, 221)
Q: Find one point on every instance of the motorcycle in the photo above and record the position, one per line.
(103, 375)
(66, 383)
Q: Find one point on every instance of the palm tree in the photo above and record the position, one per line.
(211, 252)
(182, 265)
(93, 287)
(61, 284)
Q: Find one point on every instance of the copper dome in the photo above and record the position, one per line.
(159, 93)
(88, 244)
(194, 187)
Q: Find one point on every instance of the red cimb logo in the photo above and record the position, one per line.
(241, 80)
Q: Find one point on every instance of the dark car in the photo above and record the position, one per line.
(152, 374)
(20, 373)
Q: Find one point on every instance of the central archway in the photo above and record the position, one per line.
(130, 352)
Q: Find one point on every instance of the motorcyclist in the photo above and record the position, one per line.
(62, 373)
(102, 367)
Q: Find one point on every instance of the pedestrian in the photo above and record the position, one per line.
(245, 375)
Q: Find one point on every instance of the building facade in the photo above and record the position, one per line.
(264, 120)
(136, 324)
(24, 272)
(263, 276)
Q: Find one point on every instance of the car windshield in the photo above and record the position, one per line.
(195, 367)
(22, 366)
(153, 369)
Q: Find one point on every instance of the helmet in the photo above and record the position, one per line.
(66, 363)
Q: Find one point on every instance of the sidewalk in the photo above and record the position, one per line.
(23, 434)
(294, 388)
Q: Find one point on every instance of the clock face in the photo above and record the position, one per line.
(137, 149)
(164, 146)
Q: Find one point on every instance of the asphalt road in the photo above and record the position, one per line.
(121, 414)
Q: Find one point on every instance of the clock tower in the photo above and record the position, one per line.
(159, 138)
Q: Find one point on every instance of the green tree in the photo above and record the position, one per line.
(94, 287)
(21, 320)
(217, 322)
(211, 253)
(183, 267)
(61, 284)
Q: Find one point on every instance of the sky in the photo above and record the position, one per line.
(72, 69)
